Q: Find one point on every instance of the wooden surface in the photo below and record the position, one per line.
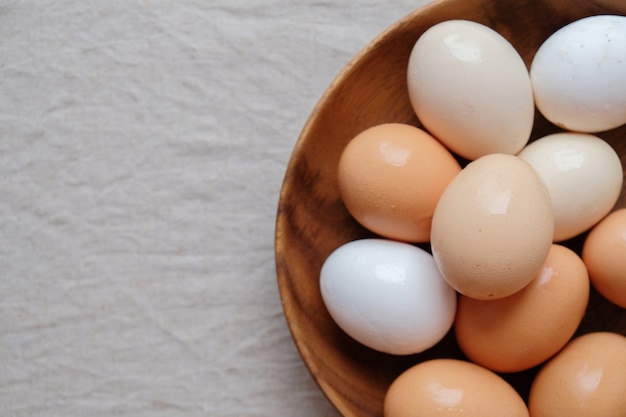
(312, 220)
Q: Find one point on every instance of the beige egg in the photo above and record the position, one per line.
(471, 89)
(493, 227)
(586, 379)
(523, 330)
(583, 175)
(451, 387)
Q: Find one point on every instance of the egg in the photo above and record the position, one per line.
(451, 387)
(577, 74)
(493, 227)
(387, 295)
(604, 253)
(586, 379)
(583, 174)
(391, 176)
(471, 89)
(525, 329)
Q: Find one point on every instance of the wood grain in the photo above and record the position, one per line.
(312, 220)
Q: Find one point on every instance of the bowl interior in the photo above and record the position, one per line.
(312, 220)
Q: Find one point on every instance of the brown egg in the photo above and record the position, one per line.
(525, 329)
(452, 387)
(493, 227)
(586, 379)
(391, 177)
(604, 253)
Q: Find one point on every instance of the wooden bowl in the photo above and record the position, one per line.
(312, 220)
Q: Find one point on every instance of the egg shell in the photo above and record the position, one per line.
(604, 253)
(451, 387)
(577, 74)
(583, 174)
(471, 89)
(525, 329)
(493, 227)
(391, 177)
(585, 379)
(388, 295)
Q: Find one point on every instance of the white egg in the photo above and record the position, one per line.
(387, 295)
(578, 74)
(471, 89)
(583, 175)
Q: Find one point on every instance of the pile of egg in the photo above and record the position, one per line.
(496, 271)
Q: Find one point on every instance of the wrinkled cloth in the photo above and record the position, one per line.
(142, 149)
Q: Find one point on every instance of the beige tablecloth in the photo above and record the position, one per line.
(142, 150)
